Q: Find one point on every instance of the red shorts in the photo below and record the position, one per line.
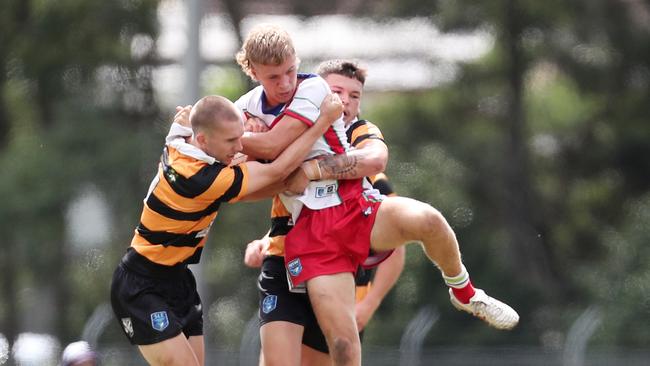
(332, 240)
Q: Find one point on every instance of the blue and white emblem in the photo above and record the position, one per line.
(269, 303)
(294, 267)
(159, 320)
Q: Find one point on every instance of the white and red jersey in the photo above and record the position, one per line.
(305, 107)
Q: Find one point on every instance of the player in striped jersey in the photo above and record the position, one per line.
(338, 219)
(287, 317)
(153, 293)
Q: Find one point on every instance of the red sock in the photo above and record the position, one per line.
(464, 294)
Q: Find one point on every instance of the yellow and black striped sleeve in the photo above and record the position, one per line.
(361, 131)
(381, 183)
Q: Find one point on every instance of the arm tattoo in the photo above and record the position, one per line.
(339, 166)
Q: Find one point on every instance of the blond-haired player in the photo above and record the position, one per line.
(286, 317)
(338, 218)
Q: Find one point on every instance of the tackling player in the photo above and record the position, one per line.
(153, 292)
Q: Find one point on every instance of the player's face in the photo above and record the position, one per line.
(350, 91)
(279, 81)
(225, 141)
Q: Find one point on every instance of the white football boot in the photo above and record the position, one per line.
(489, 309)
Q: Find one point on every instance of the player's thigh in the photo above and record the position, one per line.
(312, 357)
(332, 298)
(197, 344)
(173, 351)
(401, 220)
(281, 342)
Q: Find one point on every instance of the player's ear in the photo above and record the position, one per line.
(200, 139)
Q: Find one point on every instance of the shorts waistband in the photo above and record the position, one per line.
(139, 264)
(274, 258)
(273, 264)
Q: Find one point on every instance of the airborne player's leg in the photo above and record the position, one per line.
(401, 220)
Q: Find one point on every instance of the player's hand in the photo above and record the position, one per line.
(238, 159)
(254, 124)
(331, 107)
(182, 116)
(297, 182)
(254, 254)
(363, 312)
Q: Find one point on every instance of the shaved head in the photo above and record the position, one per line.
(218, 127)
(212, 111)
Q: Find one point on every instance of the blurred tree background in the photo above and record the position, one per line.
(537, 153)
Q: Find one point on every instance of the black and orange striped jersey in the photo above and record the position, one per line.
(182, 202)
(360, 131)
(281, 223)
(357, 134)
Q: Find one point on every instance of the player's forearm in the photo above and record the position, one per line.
(354, 164)
(293, 156)
(269, 145)
(264, 193)
(261, 146)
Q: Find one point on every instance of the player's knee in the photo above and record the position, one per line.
(432, 221)
(342, 350)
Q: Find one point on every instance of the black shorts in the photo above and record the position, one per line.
(152, 302)
(277, 303)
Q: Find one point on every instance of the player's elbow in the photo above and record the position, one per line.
(377, 162)
(377, 153)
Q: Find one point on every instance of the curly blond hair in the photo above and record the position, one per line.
(266, 45)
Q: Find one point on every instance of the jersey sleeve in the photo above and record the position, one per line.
(241, 179)
(242, 105)
(305, 105)
(361, 131)
(230, 184)
(381, 183)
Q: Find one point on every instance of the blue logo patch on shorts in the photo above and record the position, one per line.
(159, 320)
(294, 267)
(269, 303)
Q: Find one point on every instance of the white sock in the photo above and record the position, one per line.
(458, 281)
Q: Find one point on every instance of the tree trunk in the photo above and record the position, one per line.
(8, 323)
(4, 119)
(526, 237)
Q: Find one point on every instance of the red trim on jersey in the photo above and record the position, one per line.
(333, 141)
(330, 135)
(276, 120)
(295, 115)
